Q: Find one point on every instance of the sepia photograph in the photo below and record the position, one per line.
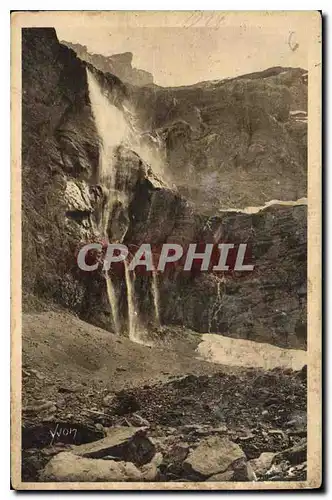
(166, 250)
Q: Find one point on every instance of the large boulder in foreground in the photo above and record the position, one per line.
(125, 454)
(126, 443)
(68, 467)
(213, 455)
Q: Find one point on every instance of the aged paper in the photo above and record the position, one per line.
(166, 250)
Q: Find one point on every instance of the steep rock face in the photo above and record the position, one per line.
(60, 155)
(234, 142)
(63, 199)
(54, 87)
(267, 304)
(117, 64)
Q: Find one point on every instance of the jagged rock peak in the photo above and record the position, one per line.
(117, 64)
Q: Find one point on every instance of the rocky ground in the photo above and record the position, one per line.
(118, 420)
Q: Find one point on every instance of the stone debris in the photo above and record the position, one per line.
(143, 435)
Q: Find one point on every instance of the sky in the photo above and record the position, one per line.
(189, 47)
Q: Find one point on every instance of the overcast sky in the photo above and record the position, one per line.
(197, 46)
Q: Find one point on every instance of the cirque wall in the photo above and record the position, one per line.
(64, 197)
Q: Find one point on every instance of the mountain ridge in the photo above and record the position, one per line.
(118, 64)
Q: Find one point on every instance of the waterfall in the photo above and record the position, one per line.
(111, 126)
(112, 130)
(111, 294)
(134, 326)
(155, 294)
(116, 127)
(217, 304)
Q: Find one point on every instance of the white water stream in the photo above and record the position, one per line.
(114, 129)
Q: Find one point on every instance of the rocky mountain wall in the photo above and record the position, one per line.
(244, 130)
(234, 142)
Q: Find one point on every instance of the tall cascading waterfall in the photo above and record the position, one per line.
(114, 130)
(155, 294)
(112, 298)
(134, 326)
(107, 117)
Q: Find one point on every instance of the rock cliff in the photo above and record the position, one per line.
(117, 64)
(233, 142)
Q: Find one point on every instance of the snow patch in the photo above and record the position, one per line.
(239, 352)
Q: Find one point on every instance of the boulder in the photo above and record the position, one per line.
(68, 467)
(125, 454)
(212, 456)
(129, 444)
